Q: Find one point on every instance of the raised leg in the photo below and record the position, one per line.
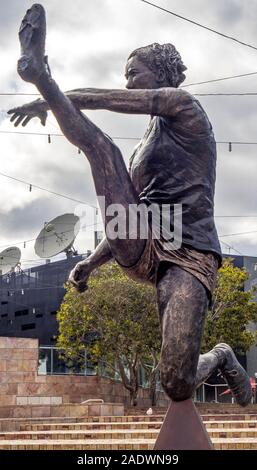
(110, 175)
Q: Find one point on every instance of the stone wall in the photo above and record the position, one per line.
(21, 386)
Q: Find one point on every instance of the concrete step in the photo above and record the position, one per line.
(15, 424)
(99, 444)
(117, 444)
(126, 418)
(91, 426)
(229, 416)
(113, 434)
(247, 443)
(230, 433)
(134, 425)
(231, 424)
(109, 435)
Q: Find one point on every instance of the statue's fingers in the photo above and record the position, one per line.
(15, 116)
(12, 111)
(43, 119)
(82, 287)
(72, 282)
(79, 286)
(26, 120)
(19, 120)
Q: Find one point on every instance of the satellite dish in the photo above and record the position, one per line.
(9, 259)
(58, 235)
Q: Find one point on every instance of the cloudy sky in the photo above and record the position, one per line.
(88, 42)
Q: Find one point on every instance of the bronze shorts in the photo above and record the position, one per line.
(202, 265)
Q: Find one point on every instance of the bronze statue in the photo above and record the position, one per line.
(173, 164)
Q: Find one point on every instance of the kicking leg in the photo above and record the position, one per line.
(110, 175)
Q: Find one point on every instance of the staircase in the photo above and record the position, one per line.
(131, 432)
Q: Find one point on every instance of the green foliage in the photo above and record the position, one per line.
(231, 312)
(122, 315)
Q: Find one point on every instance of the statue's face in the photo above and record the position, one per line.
(139, 76)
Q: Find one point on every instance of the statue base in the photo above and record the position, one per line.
(183, 429)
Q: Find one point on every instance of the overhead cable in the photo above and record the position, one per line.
(200, 25)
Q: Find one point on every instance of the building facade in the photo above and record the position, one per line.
(30, 299)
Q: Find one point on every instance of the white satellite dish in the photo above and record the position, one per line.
(9, 259)
(57, 235)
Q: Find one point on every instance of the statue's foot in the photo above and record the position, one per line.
(234, 374)
(32, 36)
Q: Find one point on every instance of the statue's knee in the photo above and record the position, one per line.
(177, 386)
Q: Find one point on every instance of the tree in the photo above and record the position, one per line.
(120, 315)
(231, 312)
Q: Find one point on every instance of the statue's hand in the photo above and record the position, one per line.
(79, 275)
(23, 114)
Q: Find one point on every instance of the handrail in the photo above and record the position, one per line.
(98, 400)
(214, 385)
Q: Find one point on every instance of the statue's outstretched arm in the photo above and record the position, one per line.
(158, 102)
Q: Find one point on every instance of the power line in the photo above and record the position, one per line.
(90, 205)
(234, 142)
(47, 190)
(235, 216)
(32, 133)
(51, 134)
(183, 86)
(226, 94)
(200, 25)
(238, 233)
(220, 79)
(19, 94)
(226, 142)
(231, 247)
(33, 239)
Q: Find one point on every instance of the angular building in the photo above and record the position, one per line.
(30, 299)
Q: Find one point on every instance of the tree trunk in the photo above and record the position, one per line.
(133, 368)
(152, 388)
(131, 383)
(133, 397)
(152, 377)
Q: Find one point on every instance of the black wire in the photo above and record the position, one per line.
(234, 142)
(235, 216)
(232, 248)
(41, 238)
(238, 233)
(200, 25)
(19, 94)
(226, 94)
(220, 79)
(183, 86)
(47, 190)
